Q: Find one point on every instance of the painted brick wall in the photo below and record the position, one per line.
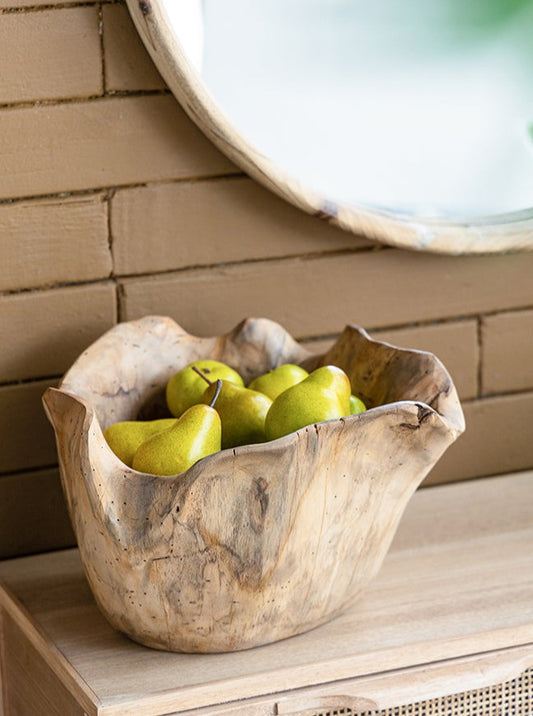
(113, 205)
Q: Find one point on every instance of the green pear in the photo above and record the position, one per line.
(242, 412)
(324, 395)
(356, 405)
(334, 378)
(125, 437)
(194, 435)
(278, 379)
(186, 387)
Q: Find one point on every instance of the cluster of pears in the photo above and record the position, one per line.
(212, 410)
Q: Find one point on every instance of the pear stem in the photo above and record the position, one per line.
(197, 370)
(217, 393)
(210, 382)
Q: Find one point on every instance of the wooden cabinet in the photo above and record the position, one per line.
(446, 628)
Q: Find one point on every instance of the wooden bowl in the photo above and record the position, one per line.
(252, 544)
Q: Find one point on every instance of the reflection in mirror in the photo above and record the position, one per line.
(412, 122)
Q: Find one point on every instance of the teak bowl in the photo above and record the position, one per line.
(252, 544)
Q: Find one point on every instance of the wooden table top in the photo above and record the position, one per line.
(458, 582)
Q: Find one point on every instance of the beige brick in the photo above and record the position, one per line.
(164, 226)
(27, 436)
(319, 345)
(19, 4)
(497, 440)
(51, 54)
(128, 65)
(318, 296)
(33, 514)
(47, 330)
(99, 143)
(454, 343)
(507, 352)
(53, 241)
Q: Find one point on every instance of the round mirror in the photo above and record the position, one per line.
(406, 122)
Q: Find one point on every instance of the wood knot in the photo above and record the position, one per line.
(144, 7)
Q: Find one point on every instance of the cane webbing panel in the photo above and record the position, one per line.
(512, 698)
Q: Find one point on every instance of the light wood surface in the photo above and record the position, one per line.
(451, 609)
(258, 542)
(487, 235)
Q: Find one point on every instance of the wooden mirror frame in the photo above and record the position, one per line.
(489, 235)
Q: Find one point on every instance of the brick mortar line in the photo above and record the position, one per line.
(117, 302)
(26, 471)
(408, 325)
(448, 320)
(103, 190)
(120, 302)
(100, 13)
(31, 381)
(196, 268)
(370, 249)
(27, 9)
(118, 278)
(55, 286)
(59, 197)
(108, 201)
(481, 354)
(83, 99)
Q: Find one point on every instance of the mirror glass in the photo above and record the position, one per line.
(414, 110)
